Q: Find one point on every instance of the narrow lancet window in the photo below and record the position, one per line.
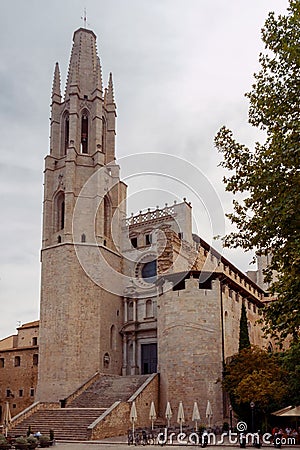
(107, 217)
(67, 128)
(62, 215)
(84, 134)
(60, 212)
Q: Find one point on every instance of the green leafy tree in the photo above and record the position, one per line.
(244, 341)
(268, 217)
(255, 375)
(290, 362)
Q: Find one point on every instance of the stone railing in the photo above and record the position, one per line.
(115, 420)
(81, 389)
(168, 211)
(37, 406)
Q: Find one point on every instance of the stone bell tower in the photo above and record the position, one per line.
(82, 193)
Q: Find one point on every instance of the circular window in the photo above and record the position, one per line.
(149, 271)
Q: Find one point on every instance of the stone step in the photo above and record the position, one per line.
(109, 389)
(71, 423)
(67, 423)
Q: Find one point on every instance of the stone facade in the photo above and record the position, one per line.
(19, 359)
(126, 296)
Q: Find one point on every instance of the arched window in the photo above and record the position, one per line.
(113, 338)
(84, 132)
(83, 238)
(149, 271)
(60, 212)
(149, 308)
(66, 133)
(130, 311)
(106, 360)
(107, 216)
(35, 359)
(59, 239)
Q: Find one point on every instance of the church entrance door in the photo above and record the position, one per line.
(149, 358)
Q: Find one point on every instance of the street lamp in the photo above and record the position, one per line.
(252, 405)
(230, 416)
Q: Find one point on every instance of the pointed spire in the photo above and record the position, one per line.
(110, 91)
(83, 63)
(56, 92)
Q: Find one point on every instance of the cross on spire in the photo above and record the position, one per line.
(84, 18)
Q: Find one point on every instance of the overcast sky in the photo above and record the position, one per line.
(180, 71)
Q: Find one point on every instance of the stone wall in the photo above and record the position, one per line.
(76, 320)
(190, 349)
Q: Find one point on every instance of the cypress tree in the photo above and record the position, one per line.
(244, 341)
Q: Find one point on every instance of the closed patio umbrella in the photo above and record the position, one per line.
(168, 413)
(180, 416)
(152, 414)
(196, 415)
(133, 416)
(6, 418)
(209, 412)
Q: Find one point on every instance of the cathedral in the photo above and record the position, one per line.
(128, 297)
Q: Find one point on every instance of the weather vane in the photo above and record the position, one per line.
(84, 18)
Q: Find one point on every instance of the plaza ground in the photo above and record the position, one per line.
(122, 446)
(120, 443)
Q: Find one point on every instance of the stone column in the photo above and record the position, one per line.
(125, 310)
(124, 368)
(134, 368)
(134, 309)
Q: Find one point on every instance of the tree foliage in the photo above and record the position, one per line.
(244, 341)
(268, 218)
(255, 375)
(290, 362)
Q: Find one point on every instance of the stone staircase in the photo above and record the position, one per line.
(107, 390)
(71, 422)
(67, 423)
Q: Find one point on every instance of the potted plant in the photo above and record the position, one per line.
(32, 442)
(44, 441)
(21, 443)
(4, 444)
